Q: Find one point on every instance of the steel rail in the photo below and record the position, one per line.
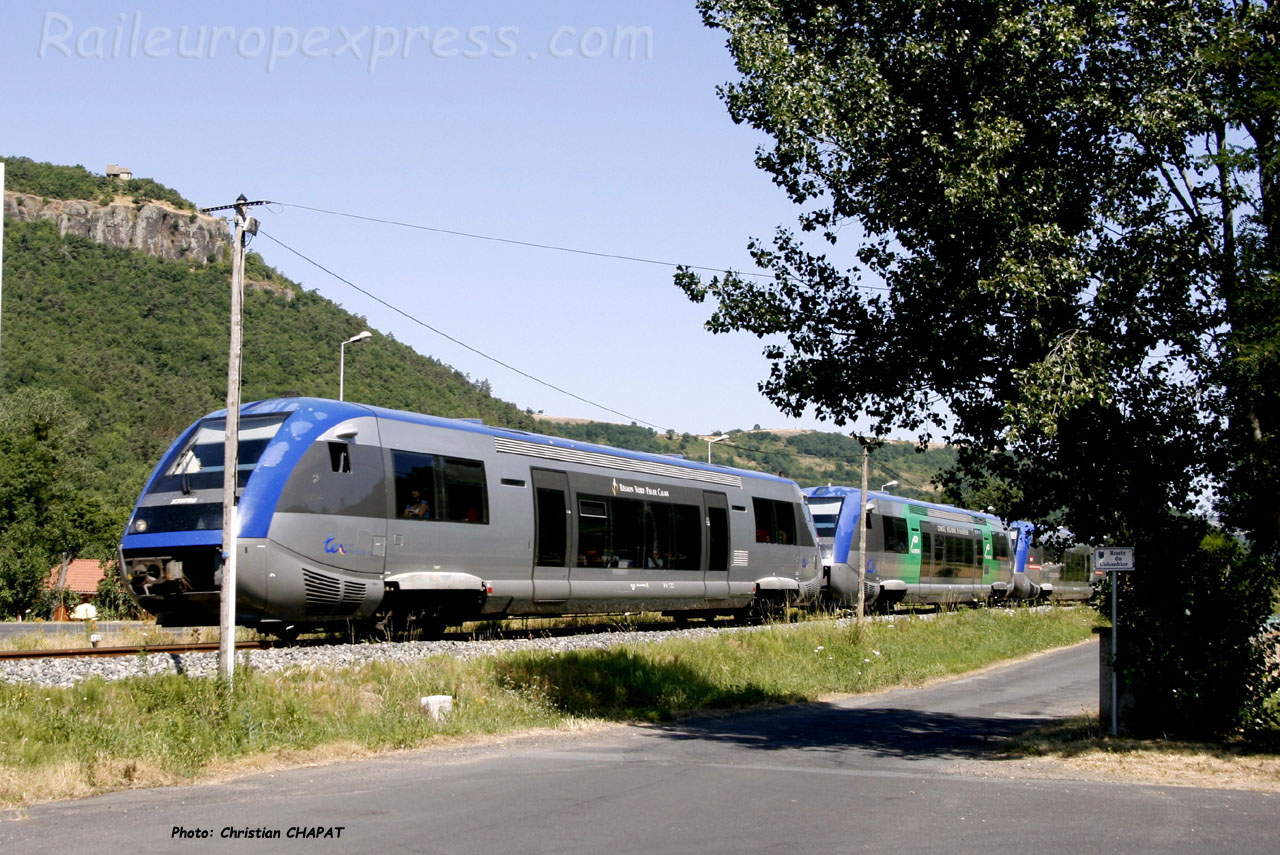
(88, 652)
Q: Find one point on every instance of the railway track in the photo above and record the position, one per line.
(133, 650)
(514, 632)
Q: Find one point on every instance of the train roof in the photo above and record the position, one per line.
(840, 491)
(336, 411)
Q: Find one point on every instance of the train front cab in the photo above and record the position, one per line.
(171, 552)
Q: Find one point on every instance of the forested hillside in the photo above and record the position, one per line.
(140, 346)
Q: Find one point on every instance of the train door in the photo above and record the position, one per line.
(928, 563)
(551, 529)
(717, 514)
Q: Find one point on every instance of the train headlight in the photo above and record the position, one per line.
(140, 526)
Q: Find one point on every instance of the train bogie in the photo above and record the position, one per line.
(351, 513)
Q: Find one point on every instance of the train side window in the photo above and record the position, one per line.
(415, 485)
(1000, 544)
(463, 491)
(340, 457)
(785, 514)
(775, 521)
(449, 489)
(804, 525)
(593, 533)
(765, 523)
(895, 535)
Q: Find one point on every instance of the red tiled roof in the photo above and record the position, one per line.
(83, 575)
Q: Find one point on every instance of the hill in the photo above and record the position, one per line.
(139, 345)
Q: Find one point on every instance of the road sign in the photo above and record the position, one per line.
(1113, 558)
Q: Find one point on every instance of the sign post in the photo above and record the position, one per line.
(1117, 559)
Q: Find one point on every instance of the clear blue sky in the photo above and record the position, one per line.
(594, 126)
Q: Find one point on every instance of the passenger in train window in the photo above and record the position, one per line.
(655, 559)
(417, 508)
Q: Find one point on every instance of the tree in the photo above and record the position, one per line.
(43, 511)
(1062, 218)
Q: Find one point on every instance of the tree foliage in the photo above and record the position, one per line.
(1047, 235)
(44, 508)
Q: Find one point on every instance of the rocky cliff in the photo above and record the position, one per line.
(153, 228)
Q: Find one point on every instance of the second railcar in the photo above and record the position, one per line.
(917, 552)
(1056, 572)
(349, 512)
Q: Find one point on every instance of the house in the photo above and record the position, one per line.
(123, 173)
(81, 582)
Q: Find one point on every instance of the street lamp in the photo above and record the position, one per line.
(884, 487)
(342, 360)
(714, 439)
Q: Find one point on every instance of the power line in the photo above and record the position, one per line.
(456, 341)
(515, 242)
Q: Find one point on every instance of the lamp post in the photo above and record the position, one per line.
(884, 487)
(342, 360)
(712, 439)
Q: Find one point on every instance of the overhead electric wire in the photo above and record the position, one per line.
(456, 341)
(515, 242)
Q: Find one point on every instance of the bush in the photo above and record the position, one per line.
(1191, 619)
(112, 601)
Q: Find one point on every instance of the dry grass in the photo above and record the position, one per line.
(1078, 748)
(136, 636)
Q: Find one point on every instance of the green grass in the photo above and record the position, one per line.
(59, 743)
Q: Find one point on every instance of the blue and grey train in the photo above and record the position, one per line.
(347, 512)
(1056, 571)
(923, 552)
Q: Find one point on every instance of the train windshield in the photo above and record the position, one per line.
(201, 462)
(826, 512)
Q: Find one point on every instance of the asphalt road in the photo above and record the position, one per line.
(904, 771)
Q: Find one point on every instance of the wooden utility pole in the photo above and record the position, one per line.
(231, 448)
(862, 539)
(1, 232)
(230, 456)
